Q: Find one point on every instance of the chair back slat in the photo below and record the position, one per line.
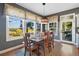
(26, 39)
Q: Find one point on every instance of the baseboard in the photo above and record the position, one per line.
(67, 43)
(57, 40)
(12, 48)
(63, 42)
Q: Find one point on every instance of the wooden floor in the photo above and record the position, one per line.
(60, 49)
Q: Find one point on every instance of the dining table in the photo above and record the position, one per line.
(37, 41)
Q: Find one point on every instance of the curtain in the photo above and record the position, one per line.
(38, 18)
(30, 15)
(53, 18)
(14, 11)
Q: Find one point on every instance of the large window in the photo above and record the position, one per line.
(38, 26)
(53, 26)
(30, 26)
(14, 28)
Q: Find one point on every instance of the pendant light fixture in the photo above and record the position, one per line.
(44, 19)
(44, 9)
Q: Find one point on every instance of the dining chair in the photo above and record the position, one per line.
(29, 45)
(41, 45)
(52, 38)
(48, 41)
(45, 43)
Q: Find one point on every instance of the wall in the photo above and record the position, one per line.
(3, 43)
(75, 10)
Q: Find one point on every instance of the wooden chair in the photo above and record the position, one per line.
(48, 42)
(29, 45)
(52, 38)
(41, 45)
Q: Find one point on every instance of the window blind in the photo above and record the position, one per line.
(14, 11)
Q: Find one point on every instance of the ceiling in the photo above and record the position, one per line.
(50, 8)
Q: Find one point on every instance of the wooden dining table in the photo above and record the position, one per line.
(37, 41)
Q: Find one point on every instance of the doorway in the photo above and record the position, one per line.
(44, 27)
(67, 28)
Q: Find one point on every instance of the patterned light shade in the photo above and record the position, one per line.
(44, 20)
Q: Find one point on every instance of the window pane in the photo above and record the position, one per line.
(15, 26)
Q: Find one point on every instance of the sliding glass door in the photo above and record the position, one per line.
(67, 31)
(67, 28)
